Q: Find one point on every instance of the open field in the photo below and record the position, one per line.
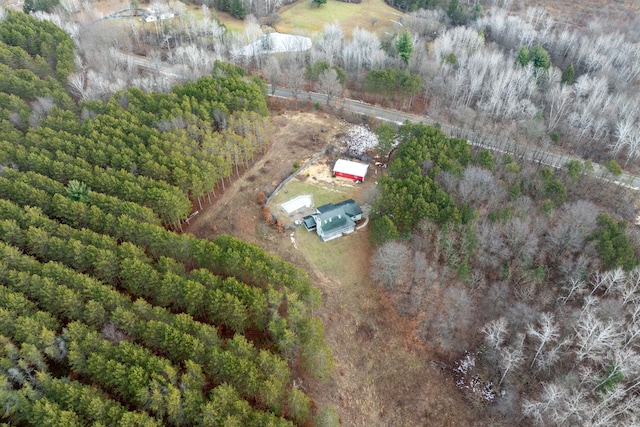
(373, 15)
(233, 24)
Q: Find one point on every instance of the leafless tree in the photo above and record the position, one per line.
(493, 249)
(547, 331)
(77, 82)
(549, 404)
(293, 72)
(362, 51)
(558, 106)
(511, 358)
(390, 264)
(273, 73)
(479, 188)
(39, 109)
(595, 337)
(329, 84)
(495, 332)
(449, 322)
(329, 44)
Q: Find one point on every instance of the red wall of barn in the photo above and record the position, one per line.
(348, 175)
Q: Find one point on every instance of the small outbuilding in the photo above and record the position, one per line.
(351, 170)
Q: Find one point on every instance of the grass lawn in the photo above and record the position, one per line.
(373, 15)
(233, 24)
(301, 18)
(323, 193)
(333, 258)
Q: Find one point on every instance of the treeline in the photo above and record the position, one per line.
(41, 40)
(108, 318)
(184, 285)
(35, 60)
(412, 5)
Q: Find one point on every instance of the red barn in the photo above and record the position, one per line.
(351, 170)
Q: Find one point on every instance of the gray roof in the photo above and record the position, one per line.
(309, 222)
(334, 219)
(326, 208)
(350, 207)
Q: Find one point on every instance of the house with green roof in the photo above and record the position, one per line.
(332, 221)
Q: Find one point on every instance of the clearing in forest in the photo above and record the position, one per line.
(372, 15)
(383, 376)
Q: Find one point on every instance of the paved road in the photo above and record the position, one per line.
(548, 158)
(535, 154)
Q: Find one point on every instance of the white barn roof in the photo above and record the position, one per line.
(351, 168)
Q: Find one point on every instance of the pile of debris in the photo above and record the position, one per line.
(360, 139)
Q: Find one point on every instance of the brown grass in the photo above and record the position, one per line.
(373, 15)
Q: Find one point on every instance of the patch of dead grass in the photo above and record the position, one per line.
(372, 15)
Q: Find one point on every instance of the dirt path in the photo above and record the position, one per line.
(382, 377)
(297, 136)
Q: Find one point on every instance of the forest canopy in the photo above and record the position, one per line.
(526, 287)
(107, 316)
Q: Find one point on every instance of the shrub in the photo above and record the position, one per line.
(613, 167)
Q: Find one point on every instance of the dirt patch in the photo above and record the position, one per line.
(296, 138)
(382, 377)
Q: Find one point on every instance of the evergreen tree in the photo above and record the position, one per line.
(77, 191)
(383, 229)
(613, 245)
(568, 75)
(238, 9)
(540, 57)
(457, 13)
(404, 46)
(523, 56)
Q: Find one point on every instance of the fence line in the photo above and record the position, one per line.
(297, 171)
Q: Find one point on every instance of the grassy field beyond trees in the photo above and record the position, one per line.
(372, 15)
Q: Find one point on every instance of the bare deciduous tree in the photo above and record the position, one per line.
(495, 332)
(479, 188)
(390, 264)
(546, 332)
(329, 84)
(510, 358)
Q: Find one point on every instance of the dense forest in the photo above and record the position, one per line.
(107, 316)
(517, 274)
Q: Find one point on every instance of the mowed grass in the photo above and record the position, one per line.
(335, 258)
(234, 25)
(372, 15)
(322, 192)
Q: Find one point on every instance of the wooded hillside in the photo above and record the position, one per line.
(523, 278)
(106, 316)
